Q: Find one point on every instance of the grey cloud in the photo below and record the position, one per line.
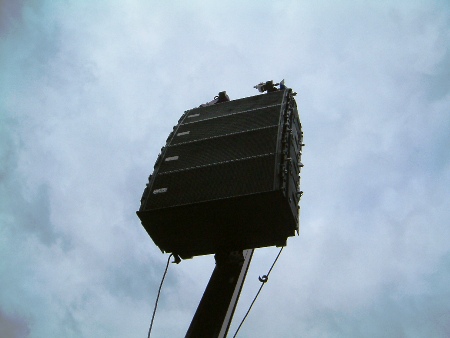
(438, 83)
(35, 216)
(29, 213)
(10, 15)
(13, 326)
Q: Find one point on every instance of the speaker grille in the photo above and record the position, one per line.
(220, 149)
(235, 106)
(211, 182)
(227, 124)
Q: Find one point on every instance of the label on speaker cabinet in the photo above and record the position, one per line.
(159, 191)
(172, 158)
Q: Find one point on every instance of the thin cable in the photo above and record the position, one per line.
(263, 281)
(157, 297)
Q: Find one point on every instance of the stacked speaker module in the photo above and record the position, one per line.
(227, 178)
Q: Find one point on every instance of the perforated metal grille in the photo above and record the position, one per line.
(228, 124)
(230, 179)
(221, 109)
(220, 149)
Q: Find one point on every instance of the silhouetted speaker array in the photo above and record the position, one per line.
(228, 178)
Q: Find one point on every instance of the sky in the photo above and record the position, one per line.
(89, 91)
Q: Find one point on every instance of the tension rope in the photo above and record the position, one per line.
(157, 297)
(263, 281)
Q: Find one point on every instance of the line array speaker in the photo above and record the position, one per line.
(227, 178)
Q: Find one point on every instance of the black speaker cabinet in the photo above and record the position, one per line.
(227, 178)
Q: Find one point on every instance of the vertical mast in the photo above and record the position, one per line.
(215, 311)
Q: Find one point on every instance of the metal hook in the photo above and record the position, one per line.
(263, 279)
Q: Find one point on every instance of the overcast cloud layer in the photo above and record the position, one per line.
(89, 91)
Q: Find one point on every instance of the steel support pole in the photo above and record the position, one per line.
(215, 311)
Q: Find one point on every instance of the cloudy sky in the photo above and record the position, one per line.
(89, 91)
